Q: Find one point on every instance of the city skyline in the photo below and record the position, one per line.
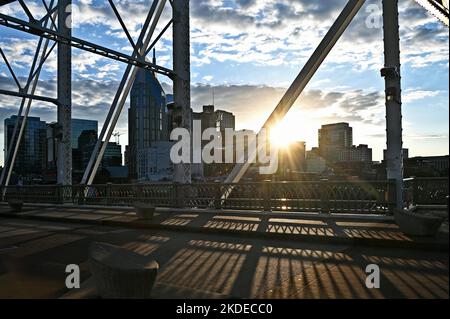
(347, 89)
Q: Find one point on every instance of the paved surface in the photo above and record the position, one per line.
(376, 230)
(34, 254)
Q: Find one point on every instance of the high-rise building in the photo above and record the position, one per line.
(154, 163)
(79, 126)
(333, 138)
(314, 162)
(361, 153)
(86, 144)
(147, 117)
(31, 157)
(219, 120)
(113, 155)
(293, 158)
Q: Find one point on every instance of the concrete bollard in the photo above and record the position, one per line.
(16, 205)
(120, 273)
(144, 211)
(413, 224)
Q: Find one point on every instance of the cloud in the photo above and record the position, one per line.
(416, 94)
(229, 37)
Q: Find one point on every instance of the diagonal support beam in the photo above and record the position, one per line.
(49, 15)
(36, 29)
(10, 69)
(26, 10)
(304, 77)
(124, 27)
(163, 31)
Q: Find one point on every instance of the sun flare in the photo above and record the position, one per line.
(284, 134)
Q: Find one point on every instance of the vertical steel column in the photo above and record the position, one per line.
(64, 160)
(392, 76)
(182, 81)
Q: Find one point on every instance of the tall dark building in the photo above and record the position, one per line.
(333, 138)
(219, 120)
(79, 126)
(113, 155)
(86, 144)
(147, 117)
(212, 118)
(293, 158)
(31, 157)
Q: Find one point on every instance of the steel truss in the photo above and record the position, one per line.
(50, 30)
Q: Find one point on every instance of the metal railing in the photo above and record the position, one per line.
(325, 196)
(430, 191)
(317, 196)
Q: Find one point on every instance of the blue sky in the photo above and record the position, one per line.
(250, 51)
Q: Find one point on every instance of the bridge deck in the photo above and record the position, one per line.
(34, 253)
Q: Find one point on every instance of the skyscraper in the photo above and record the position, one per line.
(147, 117)
(333, 138)
(219, 120)
(31, 157)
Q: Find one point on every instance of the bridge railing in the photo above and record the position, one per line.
(430, 191)
(323, 196)
(328, 196)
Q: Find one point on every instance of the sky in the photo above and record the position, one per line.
(250, 51)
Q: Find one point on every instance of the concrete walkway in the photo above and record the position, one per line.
(34, 254)
(359, 230)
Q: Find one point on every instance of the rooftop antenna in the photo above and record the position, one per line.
(213, 97)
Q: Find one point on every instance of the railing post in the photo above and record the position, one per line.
(138, 195)
(392, 195)
(108, 194)
(81, 194)
(218, 196)
(179, 195)
(415, 191)
(324, 198)
(267, 196)
(59, 194)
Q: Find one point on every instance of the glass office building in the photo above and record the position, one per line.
(147, 117)
(31, 157)
(79, 126)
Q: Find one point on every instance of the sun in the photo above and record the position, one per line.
(284, 134)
